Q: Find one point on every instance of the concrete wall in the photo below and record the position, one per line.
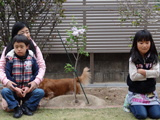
(108, 67)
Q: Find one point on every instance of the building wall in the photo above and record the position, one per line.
(108, 67)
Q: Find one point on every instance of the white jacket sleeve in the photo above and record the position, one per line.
(154, 73)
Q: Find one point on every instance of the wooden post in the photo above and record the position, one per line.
(92, 67)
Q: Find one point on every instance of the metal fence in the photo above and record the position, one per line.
(105, 32)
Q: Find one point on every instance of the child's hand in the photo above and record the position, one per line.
(33, 86)
(10, 85)
(19, 92)
(141, 71)
(25, 91)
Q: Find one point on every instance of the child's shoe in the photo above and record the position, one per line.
(126, 105)
(26, 110)
(17, 112)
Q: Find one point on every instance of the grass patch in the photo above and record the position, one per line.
(74, 114)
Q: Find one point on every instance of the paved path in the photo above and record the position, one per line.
(111, 84)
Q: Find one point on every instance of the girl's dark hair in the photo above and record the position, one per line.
(146, 36)
(20, 38)
(16, 27)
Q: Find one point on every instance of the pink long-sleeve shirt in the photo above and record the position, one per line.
(40, 61)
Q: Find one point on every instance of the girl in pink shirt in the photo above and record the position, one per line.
(22, 28)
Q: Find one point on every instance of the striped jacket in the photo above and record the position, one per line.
(21, 69)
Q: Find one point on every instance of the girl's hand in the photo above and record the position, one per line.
(10, 85)
(19, 92)
(25, 91)
(33, 85)
(141, 71)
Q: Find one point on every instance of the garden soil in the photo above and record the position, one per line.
(94, 98)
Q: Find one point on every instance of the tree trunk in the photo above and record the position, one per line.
(74, 82)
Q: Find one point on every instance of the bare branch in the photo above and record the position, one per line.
(38, 14)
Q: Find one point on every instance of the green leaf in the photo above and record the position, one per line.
(132, 38)
(2, 3)
(136, 12)
(87, 54)
(133, 23)
(129, 45)
(68, 68)
(157, 4)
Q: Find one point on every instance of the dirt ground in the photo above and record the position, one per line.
(96, 97)
(112, 96)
